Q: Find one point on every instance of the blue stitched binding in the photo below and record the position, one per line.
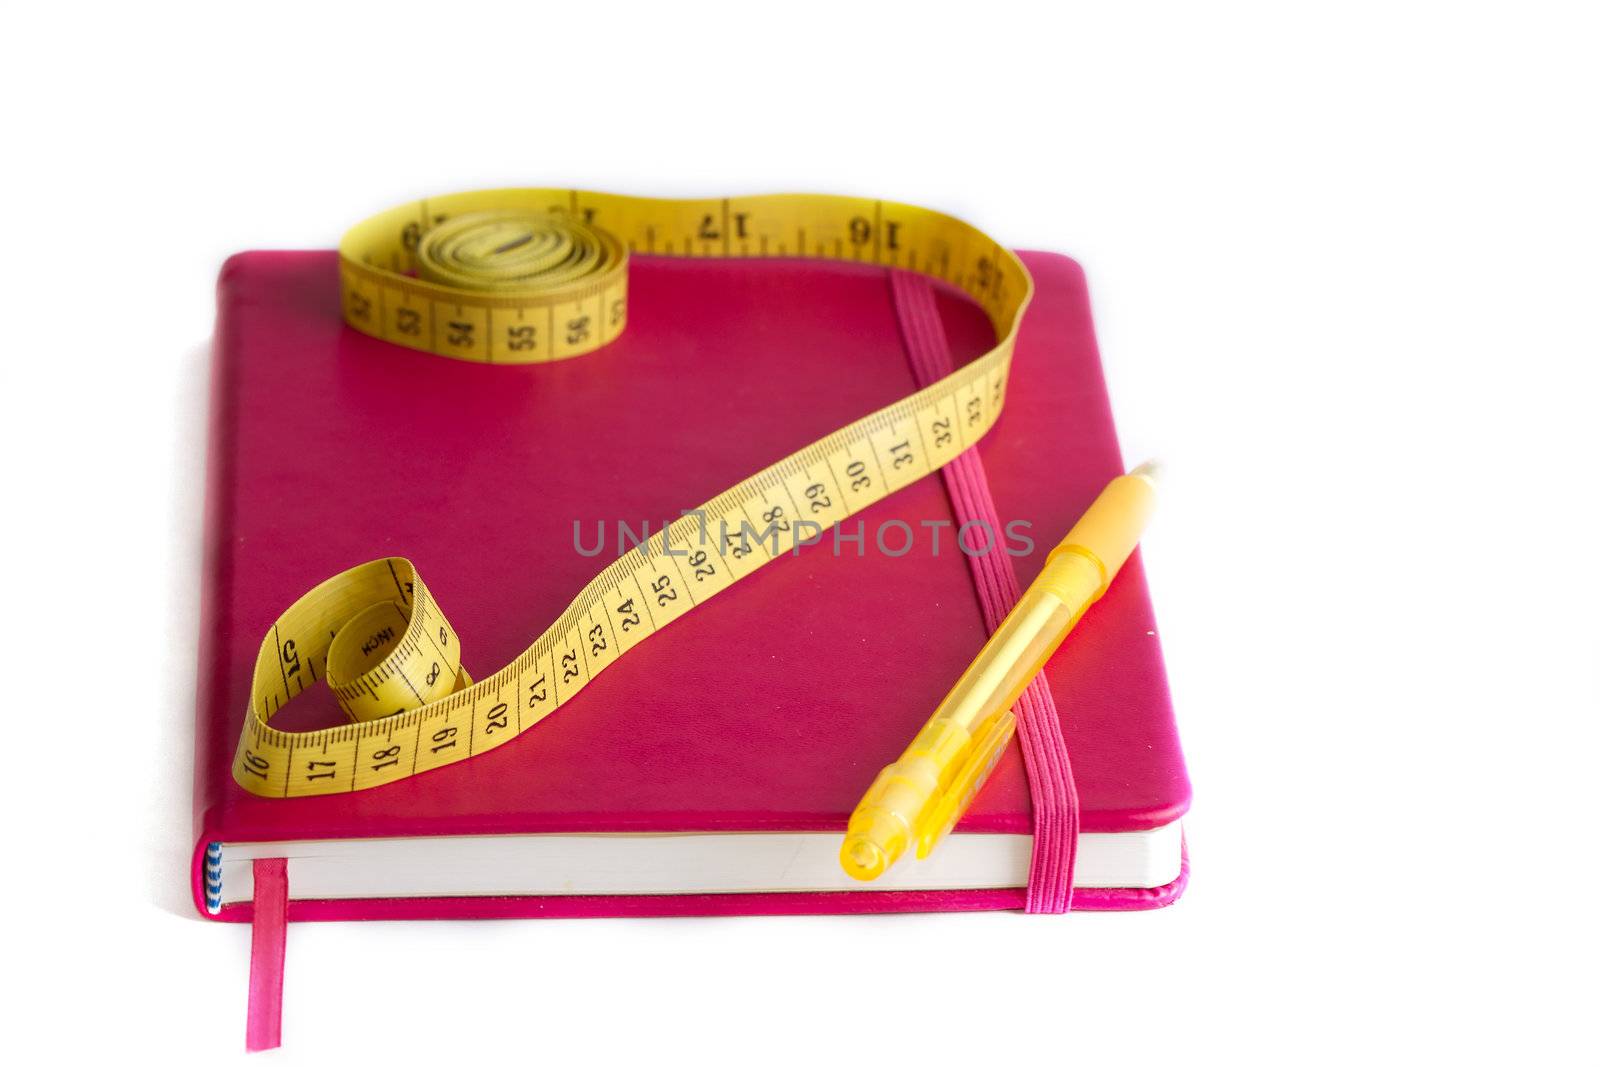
(214, 877)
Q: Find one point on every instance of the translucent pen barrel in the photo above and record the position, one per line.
(920, 796)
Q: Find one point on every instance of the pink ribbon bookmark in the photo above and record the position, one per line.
(268, 930)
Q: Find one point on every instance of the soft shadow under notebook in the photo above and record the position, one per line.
(713, 768)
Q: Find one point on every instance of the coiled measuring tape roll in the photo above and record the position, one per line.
(532, 275)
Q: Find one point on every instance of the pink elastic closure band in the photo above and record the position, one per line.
(264, 1023)
(1044, 750)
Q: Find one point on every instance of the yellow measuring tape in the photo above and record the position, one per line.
(532, 275)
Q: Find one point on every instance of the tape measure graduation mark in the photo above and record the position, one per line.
(532, 275)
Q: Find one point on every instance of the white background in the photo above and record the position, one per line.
(1344, 272)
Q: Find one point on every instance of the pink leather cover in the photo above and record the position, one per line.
(722, 721)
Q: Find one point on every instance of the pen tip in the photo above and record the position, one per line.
(862, 860)
(1149, 470)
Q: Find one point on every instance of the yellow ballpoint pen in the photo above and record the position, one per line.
(921, 795)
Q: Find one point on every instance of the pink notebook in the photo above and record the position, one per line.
(712, 769)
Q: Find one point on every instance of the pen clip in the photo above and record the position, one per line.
(984, 752)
